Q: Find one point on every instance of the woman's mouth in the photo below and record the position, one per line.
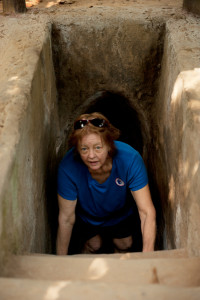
(93, 163)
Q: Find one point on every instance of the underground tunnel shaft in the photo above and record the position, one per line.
(98, 59)
(25, 220)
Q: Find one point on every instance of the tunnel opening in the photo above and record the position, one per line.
(122, 114)
(95, 72)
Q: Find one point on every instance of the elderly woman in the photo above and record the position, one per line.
(93, 178)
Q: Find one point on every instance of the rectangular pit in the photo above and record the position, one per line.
(92, 53)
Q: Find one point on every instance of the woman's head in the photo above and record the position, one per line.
(94, 123)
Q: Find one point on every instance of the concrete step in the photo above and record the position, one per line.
(175, 253)
(27, 289)
(167, 271)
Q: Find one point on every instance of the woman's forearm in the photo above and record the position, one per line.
(147, 214)
(148, 227)
(63, 238)
(66, 220)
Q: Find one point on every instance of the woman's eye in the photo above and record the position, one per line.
(98, 147)
(83, 149)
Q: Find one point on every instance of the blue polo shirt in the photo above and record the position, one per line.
(102, 204)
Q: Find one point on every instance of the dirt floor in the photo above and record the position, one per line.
(55, 4)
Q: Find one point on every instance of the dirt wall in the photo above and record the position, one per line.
(93, 53)
(29, 129)
(176, 137)
(192, 6)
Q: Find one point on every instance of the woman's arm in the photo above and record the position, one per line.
(147, 216)
(66, 220)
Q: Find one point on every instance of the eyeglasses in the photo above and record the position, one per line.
(95, 122)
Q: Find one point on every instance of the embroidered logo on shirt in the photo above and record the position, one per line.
(119, 182)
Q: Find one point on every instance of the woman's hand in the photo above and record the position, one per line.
(66, 222)
(147, 216)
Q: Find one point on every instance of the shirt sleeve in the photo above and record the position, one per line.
(137, 173)
(66, 185)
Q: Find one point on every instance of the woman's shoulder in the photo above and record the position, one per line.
(69, 161)
(125, 149)
(126, 155)
(68, 156)
(130, 162)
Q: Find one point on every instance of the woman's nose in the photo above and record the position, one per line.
(91, 153)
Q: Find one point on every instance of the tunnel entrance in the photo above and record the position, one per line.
(118, 109)
(67, 58)
(108, 68)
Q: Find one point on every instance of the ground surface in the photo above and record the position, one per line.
(55, 4)
(52, 8)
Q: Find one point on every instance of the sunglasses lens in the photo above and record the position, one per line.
(97, 122)
(80, 124)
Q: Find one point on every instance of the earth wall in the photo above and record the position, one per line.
(28, 138)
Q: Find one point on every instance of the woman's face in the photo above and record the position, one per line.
(93, 151)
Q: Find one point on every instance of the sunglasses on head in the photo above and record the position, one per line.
(95, 122)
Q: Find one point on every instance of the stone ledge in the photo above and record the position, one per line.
(24, 289)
